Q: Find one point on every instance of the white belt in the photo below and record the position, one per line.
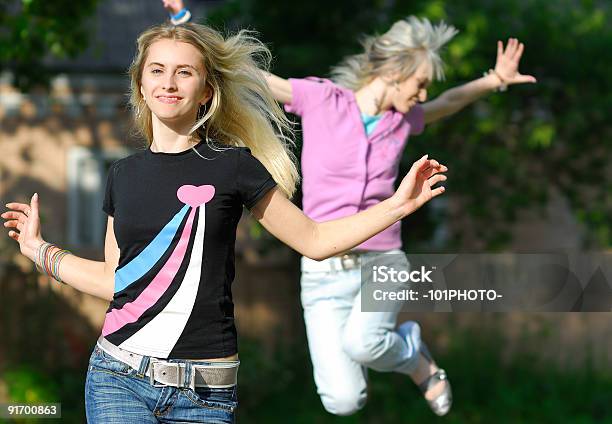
(346, 262)
(333, 264)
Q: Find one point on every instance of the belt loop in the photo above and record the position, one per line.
(144, 364)
(187, 380)
(332, 265)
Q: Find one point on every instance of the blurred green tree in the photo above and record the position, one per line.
(32, 29)
(508, 150)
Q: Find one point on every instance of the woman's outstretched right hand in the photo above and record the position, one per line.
(25, 223)
(416, 188)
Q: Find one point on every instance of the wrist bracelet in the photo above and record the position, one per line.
(503, 86)
(181, 17)
(57, 259)
(49, 263)
(38, 259)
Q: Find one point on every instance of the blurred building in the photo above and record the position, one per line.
(66, 138)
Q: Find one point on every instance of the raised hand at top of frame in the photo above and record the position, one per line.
(173, 6)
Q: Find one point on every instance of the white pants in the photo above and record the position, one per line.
(344, 341)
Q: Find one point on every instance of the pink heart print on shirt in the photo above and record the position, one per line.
(195, 195)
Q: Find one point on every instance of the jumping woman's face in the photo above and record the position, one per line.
(174, 82)
(412, 90)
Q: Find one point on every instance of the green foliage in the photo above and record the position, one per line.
(552, 134)
(32, 29)
(29, 383)
(44, 354)
(277, 383)
(506, 151)
(486, 388)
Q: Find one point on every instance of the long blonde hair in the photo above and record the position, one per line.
(399, 51)
(242, 111)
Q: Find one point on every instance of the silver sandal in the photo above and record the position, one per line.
(442, 403)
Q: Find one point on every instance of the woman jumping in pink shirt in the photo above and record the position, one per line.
(354, 132)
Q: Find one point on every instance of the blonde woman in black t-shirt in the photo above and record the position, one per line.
(216, 140)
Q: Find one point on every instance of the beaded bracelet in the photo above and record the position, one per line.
(49, 263)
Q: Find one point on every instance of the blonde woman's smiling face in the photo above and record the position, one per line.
(173, 81)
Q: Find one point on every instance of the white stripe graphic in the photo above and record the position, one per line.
(158, 337)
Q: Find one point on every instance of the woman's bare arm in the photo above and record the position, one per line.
(323, 240)
(505, 73)
(96, 278)
(280, 87)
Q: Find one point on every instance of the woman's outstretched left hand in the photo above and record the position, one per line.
(507, 63)
(416, 188)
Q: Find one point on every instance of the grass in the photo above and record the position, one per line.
(278, 388)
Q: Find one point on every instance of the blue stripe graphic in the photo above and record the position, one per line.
(142, 263)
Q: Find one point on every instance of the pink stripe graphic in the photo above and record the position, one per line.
(130, 312)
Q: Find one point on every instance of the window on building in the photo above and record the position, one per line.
(87, 171)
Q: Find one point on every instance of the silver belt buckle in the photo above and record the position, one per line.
(152, 374)
(349, 261)
(179, 382)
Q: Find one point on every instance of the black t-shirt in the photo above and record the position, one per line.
(175, 218)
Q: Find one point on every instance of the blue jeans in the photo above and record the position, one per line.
(117, 393)
(344, 341)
